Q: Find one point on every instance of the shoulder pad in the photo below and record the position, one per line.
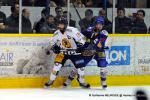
(56, 33)
(69, 29)
(104, 32)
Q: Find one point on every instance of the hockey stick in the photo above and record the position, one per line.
(76, 11)
(70, 52)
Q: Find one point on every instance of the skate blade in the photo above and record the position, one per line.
(46, 87)
(85, 87)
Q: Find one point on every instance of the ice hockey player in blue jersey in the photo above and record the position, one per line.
(94, 48)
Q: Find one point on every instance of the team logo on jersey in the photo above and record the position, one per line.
(99, 45)
(66, 43)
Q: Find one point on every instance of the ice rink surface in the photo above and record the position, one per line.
(111, 93)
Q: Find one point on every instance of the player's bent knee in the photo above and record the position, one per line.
(56, 68)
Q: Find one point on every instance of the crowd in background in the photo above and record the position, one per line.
(48, 23)
(81, 3)
(62, 3)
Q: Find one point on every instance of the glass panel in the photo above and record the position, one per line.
(9, 16)
(35, 14)
(132, 16)
(85, 12)
(42, 15)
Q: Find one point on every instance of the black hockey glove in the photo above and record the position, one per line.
(56, 49)
(47, 52)
(79, 50)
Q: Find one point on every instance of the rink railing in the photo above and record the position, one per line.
(38, 81)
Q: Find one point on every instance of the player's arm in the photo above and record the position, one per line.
(104, 33)
(87, 33)
(80, 38)
(54, 45)
(101, 39)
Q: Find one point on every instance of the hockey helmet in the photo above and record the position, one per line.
(99, 20)
(63, 21)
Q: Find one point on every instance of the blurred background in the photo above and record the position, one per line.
(41, 16)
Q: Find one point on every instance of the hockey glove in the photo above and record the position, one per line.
(56, 49)
(47, 52)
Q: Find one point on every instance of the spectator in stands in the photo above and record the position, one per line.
(138, 25)
(53, 4)
(13, 20)
(78, 3)
(38, 25)
(2, 18)
(95, 3)
(1, 3)
(87, 21)
(107, 23)
(122, 23)
(71, 22)
(49, 26)
(26, 23)
(90, 3)
(59, 13)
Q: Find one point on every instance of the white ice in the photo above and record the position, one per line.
(111, 93)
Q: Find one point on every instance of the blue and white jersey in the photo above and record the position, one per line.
(97, 39)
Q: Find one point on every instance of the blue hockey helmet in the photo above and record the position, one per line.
(99, 20)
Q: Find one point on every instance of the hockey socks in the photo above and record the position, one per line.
(80, 78)
(53, 74)
(103, 78)
(70, 78)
